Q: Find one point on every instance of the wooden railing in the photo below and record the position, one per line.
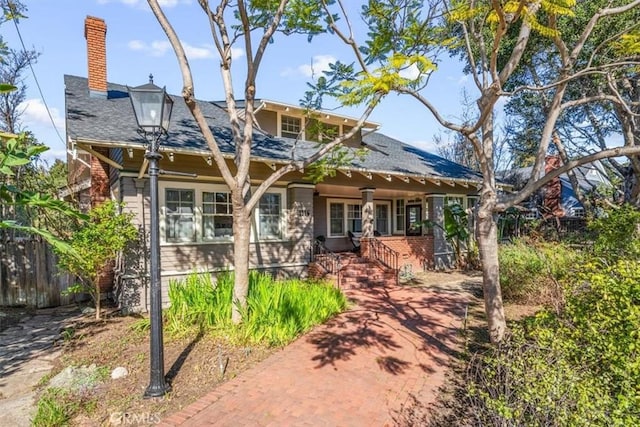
(382, 253)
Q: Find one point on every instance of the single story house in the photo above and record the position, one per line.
(389, 191)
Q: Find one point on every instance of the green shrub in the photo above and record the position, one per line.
(521, 383)
(579, 366)
(600, 329)
(277, 311)
(534, 271)
(617, 234)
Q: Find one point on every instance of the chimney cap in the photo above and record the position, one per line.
(95, 22)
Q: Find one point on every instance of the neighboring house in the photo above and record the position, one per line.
(386, 194)
(592, 178)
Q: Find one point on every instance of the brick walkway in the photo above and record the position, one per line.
(357, 370)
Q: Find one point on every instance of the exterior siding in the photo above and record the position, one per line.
(285, 257)
(355, 141)
(268, 121)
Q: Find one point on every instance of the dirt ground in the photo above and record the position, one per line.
(194, 365)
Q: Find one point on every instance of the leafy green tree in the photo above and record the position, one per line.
(253, 24)
(99, 242)
(13, 155)
(583, 125)
(494, 40)
(26, 205)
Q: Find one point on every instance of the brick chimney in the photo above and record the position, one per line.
(95, 31)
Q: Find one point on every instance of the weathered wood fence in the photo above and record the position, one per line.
(29, 275)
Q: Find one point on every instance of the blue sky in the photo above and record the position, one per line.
(136, 46)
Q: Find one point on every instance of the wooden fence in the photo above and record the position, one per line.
(29, 275)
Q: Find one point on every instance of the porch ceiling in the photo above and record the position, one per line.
(354, 192)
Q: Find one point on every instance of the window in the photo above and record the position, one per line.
(336, 219)
(344, 215)
(194, 212)
(217, 215)
(382, 219)
(354, 218)
(269, 213)
(471, 202)
(179, 215)
(400, 215)
(290, 127)
(452, 200)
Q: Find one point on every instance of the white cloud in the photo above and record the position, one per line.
(195, 52)
(319, 63)
(35, 114)
(161, 47)
(142, 4)
(237, 52)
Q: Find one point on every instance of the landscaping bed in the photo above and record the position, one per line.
(202, 349)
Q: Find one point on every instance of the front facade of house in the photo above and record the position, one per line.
(384, 196)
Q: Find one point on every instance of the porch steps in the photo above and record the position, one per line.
(358, 272)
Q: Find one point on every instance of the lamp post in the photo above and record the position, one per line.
(152, 108)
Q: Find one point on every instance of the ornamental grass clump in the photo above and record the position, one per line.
(277, 311)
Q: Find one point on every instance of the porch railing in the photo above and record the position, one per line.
(382, 253)
(326, 259)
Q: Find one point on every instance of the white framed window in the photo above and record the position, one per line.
(399, 214)
(472, 201)
(345, 215)
(354, 218)
(381, 218)
(336, 219)
(203, 213)
(217, 215)
(270, 216)
(179, 215)
(290, 127)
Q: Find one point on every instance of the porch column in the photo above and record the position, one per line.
(300, 219)
(140, 266)
(367, 212)
(442, 253)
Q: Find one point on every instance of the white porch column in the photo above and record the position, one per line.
(367, 211)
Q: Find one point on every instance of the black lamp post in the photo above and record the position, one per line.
(152, 108)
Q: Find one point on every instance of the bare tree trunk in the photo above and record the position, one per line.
(487, 231)
(241, 233)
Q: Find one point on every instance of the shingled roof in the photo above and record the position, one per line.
(110, 122)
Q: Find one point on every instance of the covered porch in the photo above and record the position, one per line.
(387, 223)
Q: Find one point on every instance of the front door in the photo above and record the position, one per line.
(414, 217)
